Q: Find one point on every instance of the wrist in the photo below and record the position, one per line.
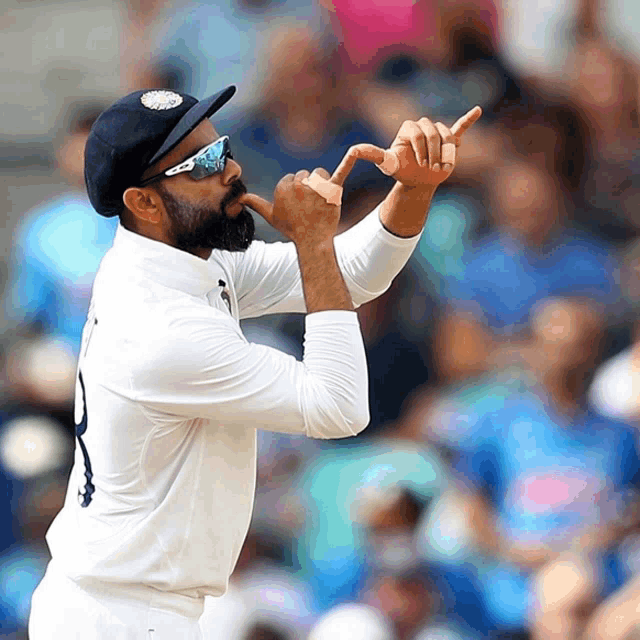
(404, 211)
(313, 245)
(422, 192)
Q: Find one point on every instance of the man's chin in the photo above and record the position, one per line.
(240, 232)
(224, 233)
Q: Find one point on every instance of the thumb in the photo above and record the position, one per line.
(258, 204)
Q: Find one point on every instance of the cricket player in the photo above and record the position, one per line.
(169, 393)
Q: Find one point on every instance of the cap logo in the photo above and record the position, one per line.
(161, 100)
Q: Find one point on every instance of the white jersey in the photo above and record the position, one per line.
(170, 394)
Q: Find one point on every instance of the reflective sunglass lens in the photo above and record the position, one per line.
(212, 161)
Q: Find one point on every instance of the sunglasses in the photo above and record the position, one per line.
(208, 161)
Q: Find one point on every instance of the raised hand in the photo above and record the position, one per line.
(423, 153)
(306, 207)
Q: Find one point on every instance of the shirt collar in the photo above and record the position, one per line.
(165, 264)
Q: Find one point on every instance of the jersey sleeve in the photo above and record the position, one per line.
(267, 276)
(205, 368)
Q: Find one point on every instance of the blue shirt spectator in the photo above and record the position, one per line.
(58, 248)
(455, 414)
(503, 279)
(548, 477)
(339, 485)
(482, 593)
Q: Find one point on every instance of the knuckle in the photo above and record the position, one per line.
(284, 186)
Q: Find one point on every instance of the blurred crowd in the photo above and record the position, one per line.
(496, 492)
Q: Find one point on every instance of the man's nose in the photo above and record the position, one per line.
(232, 172)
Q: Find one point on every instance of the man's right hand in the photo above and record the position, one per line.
(307, 219)
(298, 212)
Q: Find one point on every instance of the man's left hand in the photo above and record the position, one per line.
(423, 154)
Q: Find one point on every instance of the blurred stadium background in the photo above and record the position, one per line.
(495, 494)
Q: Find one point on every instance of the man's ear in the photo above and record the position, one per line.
(145, 204)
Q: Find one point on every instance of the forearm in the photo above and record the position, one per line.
(370, 257)
(335, 399)
(372, 253)
(322, 282)
(404, 211)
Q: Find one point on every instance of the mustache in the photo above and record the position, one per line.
(237, 189)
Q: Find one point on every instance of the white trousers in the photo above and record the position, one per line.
(61, 610)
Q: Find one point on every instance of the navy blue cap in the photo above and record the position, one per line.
(133, 134)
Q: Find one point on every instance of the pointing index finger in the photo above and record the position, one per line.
(359, 151)
(464, 123)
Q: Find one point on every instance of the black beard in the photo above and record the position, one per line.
(196, 227)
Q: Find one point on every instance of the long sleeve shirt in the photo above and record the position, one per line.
(170, 395)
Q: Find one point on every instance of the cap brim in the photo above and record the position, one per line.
(191, 119)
